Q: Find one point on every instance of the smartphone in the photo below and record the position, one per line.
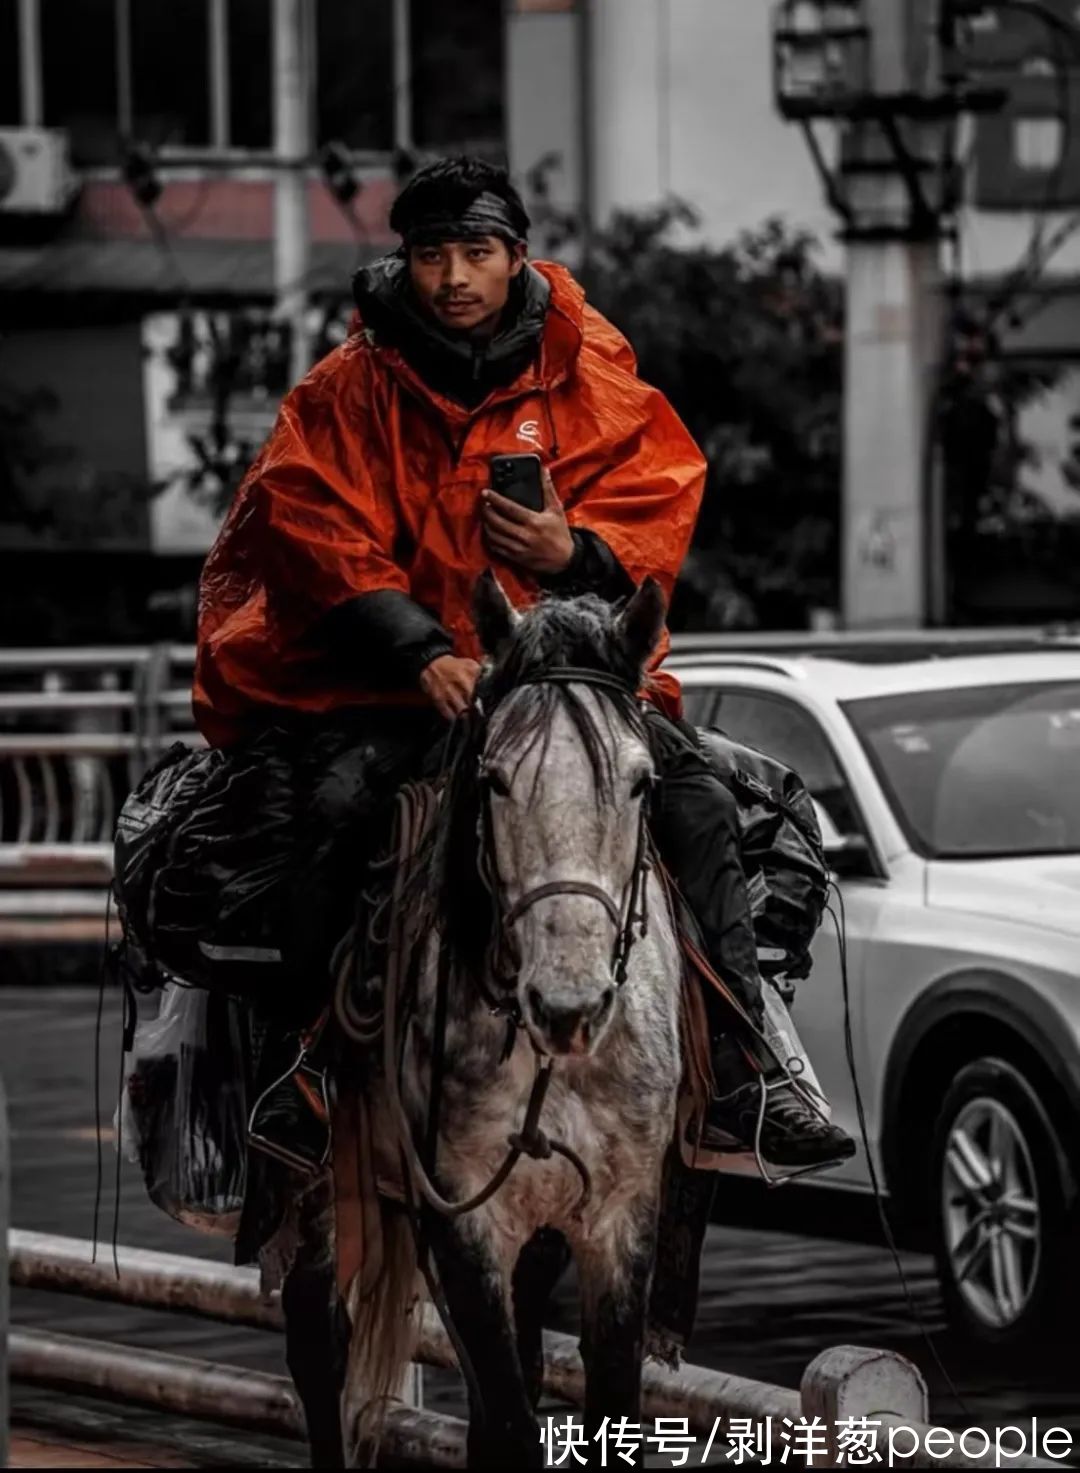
(517, 477)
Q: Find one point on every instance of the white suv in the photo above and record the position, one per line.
(949, 792)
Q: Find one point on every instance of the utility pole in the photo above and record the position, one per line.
(293, 147)
(403, 101)
(878, 73)
(33, 106)
(892, 541)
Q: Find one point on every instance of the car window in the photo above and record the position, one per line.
(979, 771)
(783, 730)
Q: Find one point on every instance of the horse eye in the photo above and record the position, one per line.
(642, 786)
(496, 782)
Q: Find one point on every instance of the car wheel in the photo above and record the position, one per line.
(1000, 1198)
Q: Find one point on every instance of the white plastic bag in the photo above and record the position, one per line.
(182, 1116)
(780, 1033)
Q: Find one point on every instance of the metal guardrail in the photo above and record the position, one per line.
(842, 1383)
(77, 729)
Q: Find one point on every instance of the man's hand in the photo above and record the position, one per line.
(538, 541)
(449, 682)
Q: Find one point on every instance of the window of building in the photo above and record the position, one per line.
(10, 101)
(1026, 155)
(354, 75)
(1038, 141)
(78, 66)
(170, 74)
(457, 82)
(194, 73)
(117, 68)
(250, 113)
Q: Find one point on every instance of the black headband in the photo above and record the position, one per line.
(487, 215)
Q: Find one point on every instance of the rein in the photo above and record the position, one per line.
(630, 920)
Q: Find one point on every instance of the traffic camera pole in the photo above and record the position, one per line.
(891, 515)
(883, 77)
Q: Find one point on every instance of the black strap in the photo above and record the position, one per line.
(438, 1061)
(580, 675)
(562, 887)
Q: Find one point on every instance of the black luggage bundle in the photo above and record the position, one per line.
(782, 852)
(203, 845)
(203, 850)
(205, 841)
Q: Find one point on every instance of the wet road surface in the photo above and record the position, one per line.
(770, 1301)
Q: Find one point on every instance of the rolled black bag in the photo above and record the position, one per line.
(203, 849)
(782, 852)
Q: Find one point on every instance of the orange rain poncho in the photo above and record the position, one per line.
(370, 480)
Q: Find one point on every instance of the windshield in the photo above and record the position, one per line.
(989, 772)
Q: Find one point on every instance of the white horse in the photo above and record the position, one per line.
(548, 1018)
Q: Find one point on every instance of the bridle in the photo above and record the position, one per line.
(629, 919)
(629, 916)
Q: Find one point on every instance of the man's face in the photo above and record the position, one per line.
(464, 284)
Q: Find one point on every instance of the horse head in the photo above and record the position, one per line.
(566, 775)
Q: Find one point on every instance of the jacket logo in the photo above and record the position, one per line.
(529, 431)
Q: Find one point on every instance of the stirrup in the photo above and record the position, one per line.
(788, 1079)
(311, 1084)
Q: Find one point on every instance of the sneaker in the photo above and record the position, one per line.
(792, 1132)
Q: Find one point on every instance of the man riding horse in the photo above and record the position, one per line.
(335, 607)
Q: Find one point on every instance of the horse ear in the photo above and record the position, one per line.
(641, 623)
(493, 614)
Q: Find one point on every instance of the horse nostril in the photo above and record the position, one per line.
(535, 1001)
(603, 1007)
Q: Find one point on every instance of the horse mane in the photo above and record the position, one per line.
(579, 632)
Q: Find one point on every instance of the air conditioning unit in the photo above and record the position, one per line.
(36, 177)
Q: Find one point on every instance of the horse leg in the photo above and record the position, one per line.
(503, 1430)
(615, 1276)
(538, 1270)
(317, 1342)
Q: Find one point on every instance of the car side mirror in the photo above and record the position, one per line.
(848, 855)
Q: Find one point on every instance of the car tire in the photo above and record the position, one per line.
(1001, 1203)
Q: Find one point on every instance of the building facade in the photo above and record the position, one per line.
(140, 357)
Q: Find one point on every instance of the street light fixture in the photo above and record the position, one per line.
(821, 58)
(824, 72)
